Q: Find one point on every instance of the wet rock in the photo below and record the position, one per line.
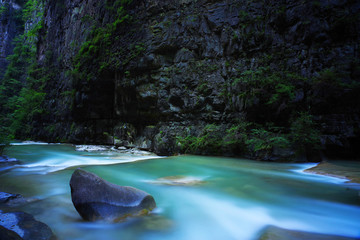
(276, 233)
(219, 14)
(282, 154)
(20, 225)
(7, 160)
(11, 199)
(90, 148)
(184, 55)
(6, 234)
(164, 143)
(134, 151)
(97, 199)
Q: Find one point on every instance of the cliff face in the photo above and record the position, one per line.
(166, 75)
(9, 28)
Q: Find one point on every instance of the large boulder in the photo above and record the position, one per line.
(20, 225)
(96, 199)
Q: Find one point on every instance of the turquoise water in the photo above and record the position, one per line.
(236, 198)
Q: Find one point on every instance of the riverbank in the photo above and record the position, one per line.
(338, 169)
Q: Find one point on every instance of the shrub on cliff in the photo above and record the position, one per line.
(261, 143)
(304, 134)
(209, 141)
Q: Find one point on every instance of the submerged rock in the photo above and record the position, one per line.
(276, 233)
(11, 199)
(7, 163)
(155, 223)
(178, 181)
(96, 199)
(20, 225)
(7, 160)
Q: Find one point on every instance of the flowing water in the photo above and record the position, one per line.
(230, 198)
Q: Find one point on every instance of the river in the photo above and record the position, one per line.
(232, 198)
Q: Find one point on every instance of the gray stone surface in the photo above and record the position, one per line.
(20, 225)
(97, 199)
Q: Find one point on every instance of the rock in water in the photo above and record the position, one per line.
(6, 234)
(20, 225)
(276, 233)
(96, 199)
(7, 160)
(11, 199)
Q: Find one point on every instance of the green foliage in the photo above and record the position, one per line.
(262, 141)
(135, 51)
(69, 93)
(259, 142)
(34, 31)
(22, 108)
(265, 90)
(32, 9)
(14, 75)
(203, 88)
(240, 138)
(236, 136)
(333, 77)
(28, 107)
(281, 10)
(4, 9)
(21, 89)
(243, 15)
(271, 86)
(304, 133)
(209, 140)
(235, 35)
(95, 52)
(327, 76)
(282, 90)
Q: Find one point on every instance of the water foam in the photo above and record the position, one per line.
(29, 143)
(300, 168)
(63, 161)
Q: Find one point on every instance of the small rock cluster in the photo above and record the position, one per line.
(20, 225)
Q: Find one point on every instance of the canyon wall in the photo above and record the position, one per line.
(178, 75)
